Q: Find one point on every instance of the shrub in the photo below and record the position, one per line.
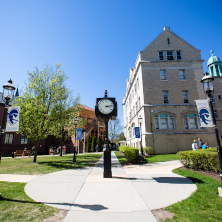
(130, 153)
(147, 150)
(200, 159)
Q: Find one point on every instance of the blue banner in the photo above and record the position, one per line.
(137, 132)
(79, 134)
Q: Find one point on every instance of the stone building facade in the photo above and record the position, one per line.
(161, 89)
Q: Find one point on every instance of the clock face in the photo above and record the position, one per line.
(105, 106)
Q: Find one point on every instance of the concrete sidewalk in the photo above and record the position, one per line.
(129, 196)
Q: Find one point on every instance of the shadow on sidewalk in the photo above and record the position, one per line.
(94, 207)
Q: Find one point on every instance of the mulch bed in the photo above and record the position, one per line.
(212, 174)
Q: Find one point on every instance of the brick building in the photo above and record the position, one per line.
(161, 89)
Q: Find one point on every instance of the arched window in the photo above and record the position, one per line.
(190, 121)
(164, 122)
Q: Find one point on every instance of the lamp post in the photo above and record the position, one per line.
(209, 90)
(7, 97)
(75, 123)
(140, 121)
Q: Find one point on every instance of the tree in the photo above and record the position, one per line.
(121, 137)
(88, 146)
(64, 115)
(93, 144)
(114, 129)
(44, 96)
(100, 142)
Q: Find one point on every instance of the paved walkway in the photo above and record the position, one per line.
(129, 196)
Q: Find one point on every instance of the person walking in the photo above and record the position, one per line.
(97, 148)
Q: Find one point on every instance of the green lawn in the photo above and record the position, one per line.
(46, 165)
(160, 158)
(121, 158)
(203, 205)
(15, 205)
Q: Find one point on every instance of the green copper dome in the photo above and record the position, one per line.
(213, 59)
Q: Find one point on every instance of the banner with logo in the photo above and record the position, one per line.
(204, 113)
(137, 132)
(12, 124)
(79, 134)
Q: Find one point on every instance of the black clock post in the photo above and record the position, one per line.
(106, 109)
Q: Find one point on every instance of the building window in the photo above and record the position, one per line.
(212, 97)
(190, 121)
(182, 74)
(217, 70)
(168, 41)
(164, 121)
(170, 55)
(133, 110)
(219, 97)
(179, 56)
(133, 129)
(139, 103)
(135, 89)
(165, 97)
(24, 140)
(8, 138)
(212, 71)
(138, 83)
(161, 55)
(185, 96)
(136, 107)
(130, 135)
(215, 114)
(163, 75)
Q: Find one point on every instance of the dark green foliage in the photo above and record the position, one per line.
(130, 153)
(100, 142)
(147, 150)
(93, 144)
(88, 146)
(206, 159)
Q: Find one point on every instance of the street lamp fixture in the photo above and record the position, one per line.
(76, 120)
(209, 89)
(140, 121)
(7, 97)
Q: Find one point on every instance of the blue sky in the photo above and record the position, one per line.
(97, 41)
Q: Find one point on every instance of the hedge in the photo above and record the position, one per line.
(206, 159)
(130, 153)
(147, 150)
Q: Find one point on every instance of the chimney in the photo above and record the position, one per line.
(166, 28)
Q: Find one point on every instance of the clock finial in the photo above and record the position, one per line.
(105, 93)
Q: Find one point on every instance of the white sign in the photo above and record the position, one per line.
(12, 124)
(204, 113)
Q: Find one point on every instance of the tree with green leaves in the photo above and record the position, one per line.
(93, 144)
(40, 103)
(121, 137)
(63, 123)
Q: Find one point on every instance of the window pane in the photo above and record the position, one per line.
(185, 122)
(185, 96)
(161, 56)
(192, 115)
(165, 97)
(170, 55)
(163, 115)
(193, 123)
(6, 138)
(164, 123)
(162, 74)
(171, 123)
(182, 74)
(179, 55)
(156, 123)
